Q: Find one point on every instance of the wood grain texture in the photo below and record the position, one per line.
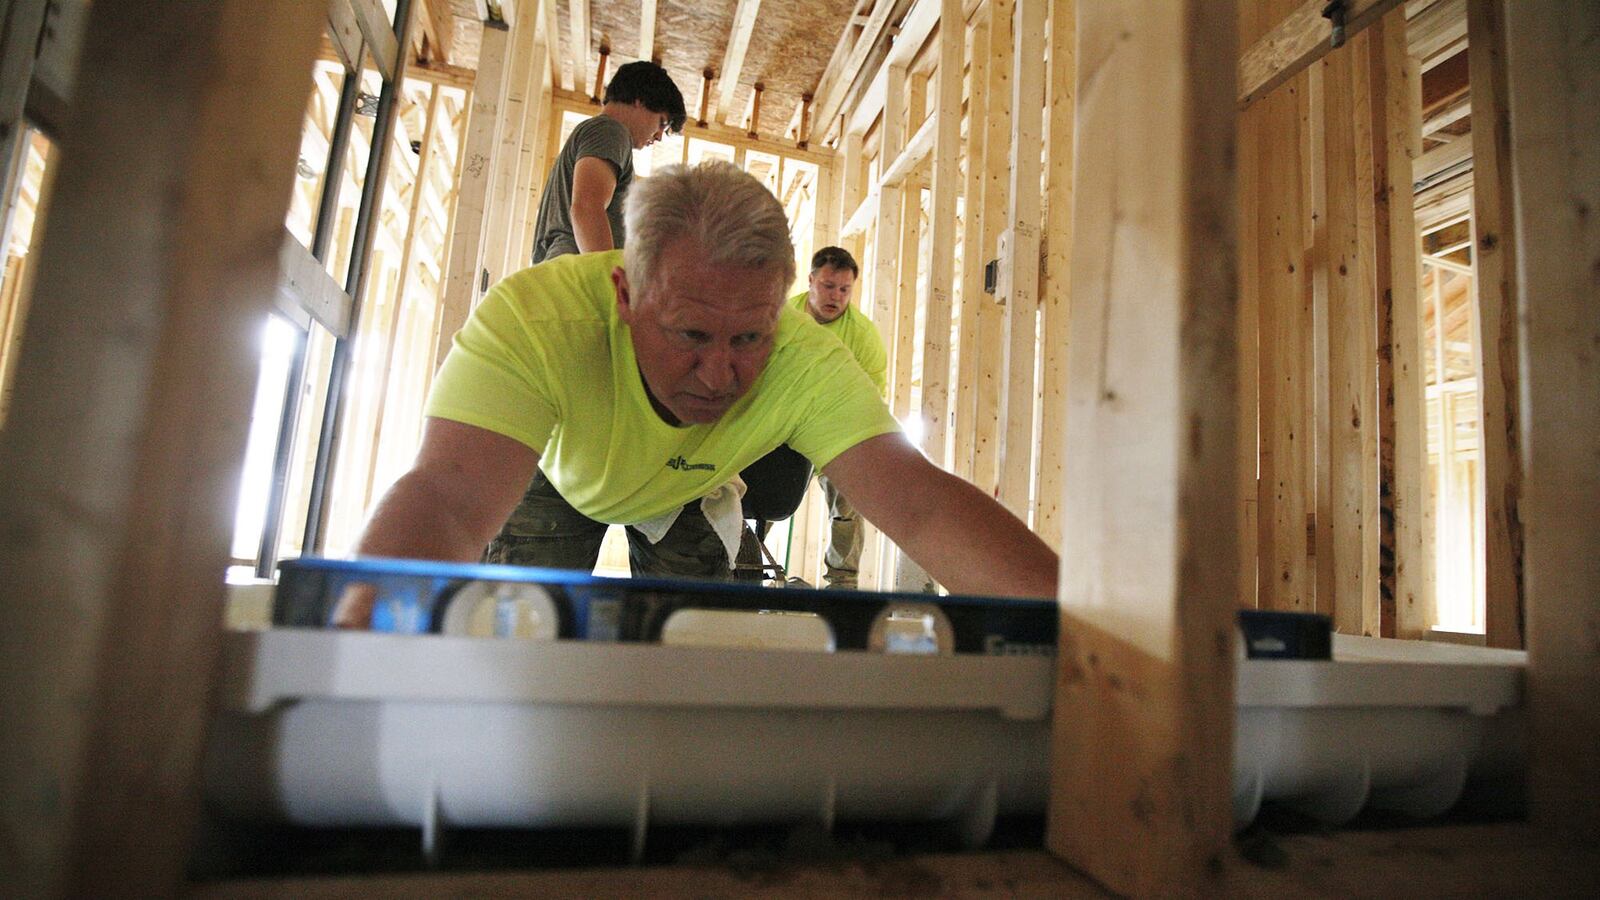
(1141, 774)
(1494, 260)
(1019, 269)
(1300, 38)
(1553, 94)
(945, 185)
(1405, 563)
(1055, 280)
(996, 187)
(123, 441)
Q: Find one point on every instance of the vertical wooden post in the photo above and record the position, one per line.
(886, 239)
(972, 249)
(1055, 278)
(1553, 95)
(122, 449)
(990, 349)
(851, 172)
(530, 164)
(942, 225)
(463, 282)
(1141, 776)
(1350, 548)
(512, 126)
(1019, 275)
(885, 268)
(1494, 263)
(901, 331)
(1248, 353)
(1405, 561)
(1281, 287)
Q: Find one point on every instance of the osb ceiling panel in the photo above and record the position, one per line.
(788, 49)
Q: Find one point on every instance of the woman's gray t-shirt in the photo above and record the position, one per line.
(600, 136)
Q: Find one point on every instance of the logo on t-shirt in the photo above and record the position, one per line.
(683, 465)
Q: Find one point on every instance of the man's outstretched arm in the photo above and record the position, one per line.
(458, 493)
(963, 537)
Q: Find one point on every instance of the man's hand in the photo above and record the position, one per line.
(963, 537)
(463, 485)
(354, 609)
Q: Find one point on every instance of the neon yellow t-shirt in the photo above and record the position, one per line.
(859, 335)
(544, 360)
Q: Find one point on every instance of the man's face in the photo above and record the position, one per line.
(645, 125)
(829, 294)
(701, 332)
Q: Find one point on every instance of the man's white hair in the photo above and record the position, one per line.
(732, 216)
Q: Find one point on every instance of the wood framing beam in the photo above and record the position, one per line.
(1405, 562)
(1019, 263)
(1494, 260)
(531, 167)
(902, 345)
(647, 29)
(306, 291)
(867, 210)
(946, 119)
(1302, 38)
(1438, 32)
(440, 27)
(580, 39)
(996, 184)
(1347, 517)
(912, 155)
(1553, 96)
(1056, 271)
(1141, 775)
(972, 252)
(744, 23)
(909, 37)
(499, 257)
(1279, 138)
(464, 278)
(378, 32)
(344, 32)
(122, 443)
(737, 138)
(560, 69)
(834, 98)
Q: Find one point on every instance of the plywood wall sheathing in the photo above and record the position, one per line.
(1141, 777)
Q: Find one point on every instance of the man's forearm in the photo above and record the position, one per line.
(413, 521)
(971, 544)
(591, 229)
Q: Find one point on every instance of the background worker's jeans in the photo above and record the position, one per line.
(843, 558)
(545, 530)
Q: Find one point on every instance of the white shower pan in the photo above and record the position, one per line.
(326, 728)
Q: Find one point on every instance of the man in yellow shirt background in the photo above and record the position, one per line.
(827, 300)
